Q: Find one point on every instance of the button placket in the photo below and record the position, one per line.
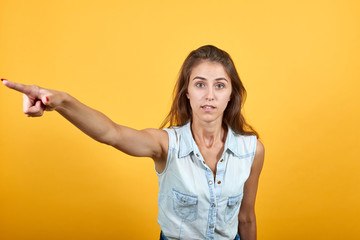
(198, 156)
(212, 204)
(219, 175)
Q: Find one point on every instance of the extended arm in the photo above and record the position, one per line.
(90, 121)
(247, 218)
(145, 143)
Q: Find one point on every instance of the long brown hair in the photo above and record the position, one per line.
(180, 112)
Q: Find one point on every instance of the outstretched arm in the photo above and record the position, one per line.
(145, 143)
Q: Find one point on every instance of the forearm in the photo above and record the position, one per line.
(247, 230)
(92, 122)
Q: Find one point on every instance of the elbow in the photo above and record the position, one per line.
(105, 141)
(247, 226)
(110, 137)
(247, 219)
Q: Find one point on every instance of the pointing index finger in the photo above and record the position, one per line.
(18, 86)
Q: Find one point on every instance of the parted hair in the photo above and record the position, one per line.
(180, 112)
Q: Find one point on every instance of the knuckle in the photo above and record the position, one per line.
(34, 89)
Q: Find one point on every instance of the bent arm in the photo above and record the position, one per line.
(247, 219)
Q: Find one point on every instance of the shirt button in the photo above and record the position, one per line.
(203, 162)
(219, 182)
(183, 200)
(211, 226)
(221, 160)
(210, 182)
(197, 155)
(213, 205)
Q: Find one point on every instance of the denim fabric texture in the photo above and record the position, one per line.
(195, 204)
(162, 237)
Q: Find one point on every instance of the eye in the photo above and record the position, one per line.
(220, 85)
(200, 85)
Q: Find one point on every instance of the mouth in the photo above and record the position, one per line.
(207, 107)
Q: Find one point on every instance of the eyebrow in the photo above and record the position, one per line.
(216, 79)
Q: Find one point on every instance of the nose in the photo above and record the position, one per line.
(210, 94)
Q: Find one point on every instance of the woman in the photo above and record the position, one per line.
(208, 161)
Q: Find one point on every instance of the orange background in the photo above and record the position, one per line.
(299, 61)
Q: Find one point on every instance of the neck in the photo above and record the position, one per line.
(208, 134)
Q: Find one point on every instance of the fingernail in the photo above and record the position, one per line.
(47, 99)
(3, 79)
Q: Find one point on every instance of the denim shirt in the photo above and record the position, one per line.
(191, 204)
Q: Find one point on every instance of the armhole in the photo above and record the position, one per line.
(170, 135)
(253, 147)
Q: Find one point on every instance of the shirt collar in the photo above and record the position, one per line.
(188, 145)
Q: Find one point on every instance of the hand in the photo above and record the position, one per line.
(36, 99)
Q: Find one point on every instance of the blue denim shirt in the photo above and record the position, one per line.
(191, 204)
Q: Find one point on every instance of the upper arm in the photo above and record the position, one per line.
(247, 209)
(149, 142)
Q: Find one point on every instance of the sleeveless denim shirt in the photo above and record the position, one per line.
(191, 204)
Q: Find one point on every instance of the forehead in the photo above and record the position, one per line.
(209, 70)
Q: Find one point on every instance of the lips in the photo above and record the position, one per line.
(208, 107)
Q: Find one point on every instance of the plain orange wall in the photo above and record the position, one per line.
(299, 61)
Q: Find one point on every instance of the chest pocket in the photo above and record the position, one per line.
(185, 205)
(232, 206)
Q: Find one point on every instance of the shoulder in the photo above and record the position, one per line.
(166, 137)
(160, 138)
(155, 133)
(260, 149)
(160, 135)
(259, 156)
(174, 134)
(242, 144)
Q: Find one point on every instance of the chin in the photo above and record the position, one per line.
(210, 119)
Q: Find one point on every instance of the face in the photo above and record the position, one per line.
(209, 91)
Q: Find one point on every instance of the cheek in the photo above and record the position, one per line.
(193, 101)
(226, 100)
(193, 96)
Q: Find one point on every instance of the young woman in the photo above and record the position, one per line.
(209, 159)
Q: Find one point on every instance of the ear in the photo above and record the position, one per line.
(187, 95)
